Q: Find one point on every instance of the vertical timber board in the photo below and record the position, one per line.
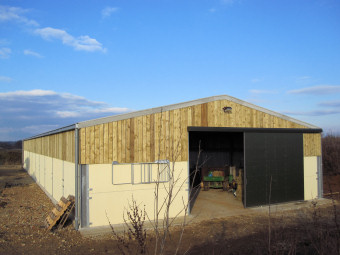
(39, 145)
(157, 135)
(249, 117)
(163, 135)
(148, 139)
(152, 137)
(127, 140)
(312, 145)
(68, 148)
(140, 138)
(87, 145)
(68, 156)
(198, 115)
(135, 137)
(265, 120)
(123, 141)
(106, 143)
(101, 143)
(119, 141)
(171, 135)
(92, 145)
(204, 115)
(96, 144)
(210, 114)
(184, 136)
(244, 116)
(167, 134)
(115, 141)
(217, 114)
(190, 116)
(60, 146)
(132, 140)
(110, 142)
(63, 145)
(231, 117)
(43, 148)
(144, 139)
(177, 135)
(72, 137)
(47, 146)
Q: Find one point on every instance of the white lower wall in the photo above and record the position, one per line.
(311, 177)
(108, 202)
(56, 177)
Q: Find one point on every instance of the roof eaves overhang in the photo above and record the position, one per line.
(55, 131)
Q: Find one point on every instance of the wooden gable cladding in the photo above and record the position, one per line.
(311, 145)
(164, 135)
(59, 146)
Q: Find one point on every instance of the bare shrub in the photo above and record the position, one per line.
(331, 154)
(132, 240)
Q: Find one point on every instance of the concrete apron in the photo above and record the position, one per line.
(212, 204)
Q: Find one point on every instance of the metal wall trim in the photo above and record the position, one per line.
(254, 130)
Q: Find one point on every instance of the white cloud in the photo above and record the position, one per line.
(5, 79)
(35, 111)
(317, 90)
(5, 52)
(38, 129)
(84, 43)
(23, 93)
(16, 14)
(313, 113)
(330, 103)
(107, 11)
(92, 111)
(32, 53)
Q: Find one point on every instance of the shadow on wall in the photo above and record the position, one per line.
(27, 168)
(27, 164)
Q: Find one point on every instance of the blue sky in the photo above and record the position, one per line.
(66, 61)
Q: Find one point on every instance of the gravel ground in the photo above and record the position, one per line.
(24, 207)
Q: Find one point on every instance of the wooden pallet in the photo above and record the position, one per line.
(60, 212)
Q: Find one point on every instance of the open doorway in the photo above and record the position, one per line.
(220, 161)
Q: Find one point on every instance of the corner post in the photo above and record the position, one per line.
(77, 178)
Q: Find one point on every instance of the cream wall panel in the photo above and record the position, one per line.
(58, 182)
(33, 165)
(49, 176)
(112, 200)
(69, 179)
(41, 168)
(56, 177)
(121, 174)
(310, 177)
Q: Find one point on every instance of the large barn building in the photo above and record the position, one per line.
(106, 161)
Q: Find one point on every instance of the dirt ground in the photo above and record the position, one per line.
(24, 207)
